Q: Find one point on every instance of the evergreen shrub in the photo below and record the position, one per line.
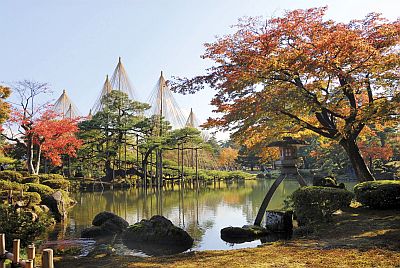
(10, 175)
(10, 185)
(384, 194)
(41, 189)
(57, 184)
(314, 204)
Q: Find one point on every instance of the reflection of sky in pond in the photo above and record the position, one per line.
(201, 213)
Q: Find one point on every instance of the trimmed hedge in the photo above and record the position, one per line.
(31, 179)
(57, 184)
(10, 185)
(314, 203)
(10, 175)
(24, 173)
(260, 176)
(45, 177)
(41, 189)
(30, 197)
(382, 194)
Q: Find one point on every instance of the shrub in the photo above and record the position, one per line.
(10, 175)
(378, 194)
(45, 177)
(260, 176)
(10, 185)
(57, 184)
(24, 173)
(31, 198)
(21, 225)
(240, 175)
(204, 175)
(41, 189)
(328, 181)
(315, 203)
(31, 179)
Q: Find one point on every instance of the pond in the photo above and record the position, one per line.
(202, 213)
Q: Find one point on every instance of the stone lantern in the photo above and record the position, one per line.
(288, 149)
(287, 163)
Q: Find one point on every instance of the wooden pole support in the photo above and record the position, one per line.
(16, 248)
(31, 253)
(2, 249)
(29, 264)
(47, 258)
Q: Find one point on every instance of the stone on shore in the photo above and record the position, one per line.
(57, 205)
(157, 236)
(279, 221)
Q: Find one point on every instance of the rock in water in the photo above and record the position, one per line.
(157, 236)
(57, 205)
(243, 234)
(110, 219)
(95, 231)
(279, 221)
(105, 224)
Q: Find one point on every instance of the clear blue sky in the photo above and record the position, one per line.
(73, 44)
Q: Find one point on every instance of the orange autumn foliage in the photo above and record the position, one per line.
(227, 157)
(304, 72)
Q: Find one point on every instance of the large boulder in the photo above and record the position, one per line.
(157, 236)
(105, 224)
(57, 205)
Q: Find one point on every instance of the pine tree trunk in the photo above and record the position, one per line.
(357, 162)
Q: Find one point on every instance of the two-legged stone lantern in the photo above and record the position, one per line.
(287, 163)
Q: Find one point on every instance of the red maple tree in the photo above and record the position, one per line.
(45, 134)
(55, 137)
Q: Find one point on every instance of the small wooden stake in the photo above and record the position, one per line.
(16, 244)
(31, 253)
(47, 258)
(29, 264)
(2, 249)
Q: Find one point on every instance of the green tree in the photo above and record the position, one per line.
(248, 158)
(116, 125)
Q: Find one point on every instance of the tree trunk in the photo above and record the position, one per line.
(39, 152)
(29, 159)
(108, 170)
(357, 162)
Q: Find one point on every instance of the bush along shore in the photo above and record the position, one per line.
(31, 203)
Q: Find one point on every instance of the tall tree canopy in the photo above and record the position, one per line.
(302, 72)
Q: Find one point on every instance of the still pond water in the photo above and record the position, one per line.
(202, 213)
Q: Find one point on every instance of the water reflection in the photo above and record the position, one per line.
(202, 212)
